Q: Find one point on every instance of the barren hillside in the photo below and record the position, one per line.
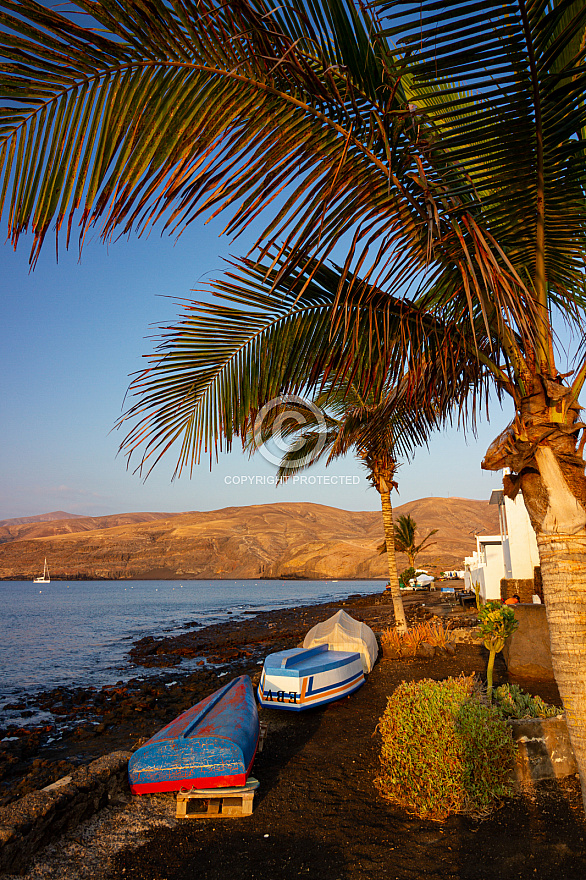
(297, 540)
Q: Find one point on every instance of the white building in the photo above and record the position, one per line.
(512, 554)
(519, 542)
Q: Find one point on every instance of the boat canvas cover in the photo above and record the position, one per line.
(342, 633)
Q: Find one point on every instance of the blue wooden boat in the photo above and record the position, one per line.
(211, 745)
(302, 678)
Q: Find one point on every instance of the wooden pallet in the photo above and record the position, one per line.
(217, 803)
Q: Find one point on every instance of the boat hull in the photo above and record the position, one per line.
(211, 745)
(300, 679)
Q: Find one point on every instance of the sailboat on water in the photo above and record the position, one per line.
(44, 579)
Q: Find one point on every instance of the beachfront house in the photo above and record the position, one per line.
(511, 554)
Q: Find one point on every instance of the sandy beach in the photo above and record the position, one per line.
(317, 812)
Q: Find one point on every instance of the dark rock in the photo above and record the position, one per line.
(544, 749)
(425, 651)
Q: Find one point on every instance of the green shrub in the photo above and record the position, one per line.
(513, 702)
(407, 575)
(444, 750)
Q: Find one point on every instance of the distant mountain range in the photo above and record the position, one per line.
(40, 517)
(288, 540)
(47, 525)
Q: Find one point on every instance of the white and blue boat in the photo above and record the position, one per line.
(303, 678)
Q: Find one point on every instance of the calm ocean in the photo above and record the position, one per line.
(78, 633)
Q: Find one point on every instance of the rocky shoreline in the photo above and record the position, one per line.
(88, 722)
(95, 729)
(316, 773)
(317, 812)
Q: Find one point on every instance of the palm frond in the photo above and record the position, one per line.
(298, 118)
(405, 531)
(339, 420)
(214, 371)
(170, 110)
(502, 85)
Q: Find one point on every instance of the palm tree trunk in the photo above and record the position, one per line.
(551, 477)
(563, 572)
(559, 520)
(395, 591)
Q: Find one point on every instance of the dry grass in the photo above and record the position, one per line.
(391, 640)
(406, 644)
(435, 634)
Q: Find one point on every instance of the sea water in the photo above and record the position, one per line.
(78, 633)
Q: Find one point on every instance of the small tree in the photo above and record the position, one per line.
(339, 420)
(496, 623)
(408, 575)
(405, 530)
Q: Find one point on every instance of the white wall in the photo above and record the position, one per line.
(512, 554)
(486, 566)
(522, 544)
(494, 569)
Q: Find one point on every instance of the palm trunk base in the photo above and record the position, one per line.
(387, 598)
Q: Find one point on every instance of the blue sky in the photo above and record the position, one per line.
(72, 334)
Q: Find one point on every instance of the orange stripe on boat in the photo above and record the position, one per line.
(328, 693)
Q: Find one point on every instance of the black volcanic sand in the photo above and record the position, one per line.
(317, 813)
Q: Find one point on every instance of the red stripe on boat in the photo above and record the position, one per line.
(198, 782)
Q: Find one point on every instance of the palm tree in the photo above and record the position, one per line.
(336, 422)
(211, 371)
(446, 141)
(516, 125)
(405, 530)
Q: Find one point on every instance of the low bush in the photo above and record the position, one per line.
(513, 702)
(444, 750)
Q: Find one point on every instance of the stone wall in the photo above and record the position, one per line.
(524, 588)
(40, 816)
(527, 652)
